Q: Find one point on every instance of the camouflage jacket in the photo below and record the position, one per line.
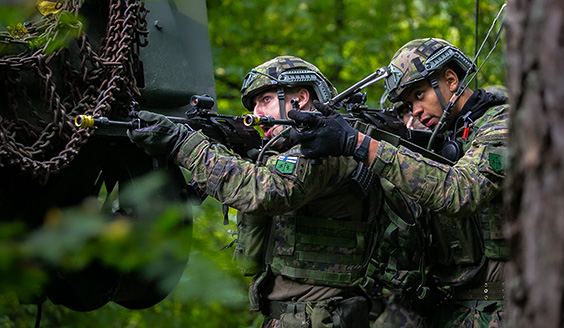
(459, 190)
(322, 233)
(464, 200)
(283, 184)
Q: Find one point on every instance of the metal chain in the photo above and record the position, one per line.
(40, 138)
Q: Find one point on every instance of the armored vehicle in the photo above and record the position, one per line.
(97, 58)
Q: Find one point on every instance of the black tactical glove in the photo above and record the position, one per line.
(323, 135)
(160, 136)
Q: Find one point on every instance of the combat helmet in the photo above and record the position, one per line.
(284, 72)
(420, 59)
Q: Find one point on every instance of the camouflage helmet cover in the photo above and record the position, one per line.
(420, 58)
(286, 71)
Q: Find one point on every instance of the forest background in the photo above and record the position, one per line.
(347, 40)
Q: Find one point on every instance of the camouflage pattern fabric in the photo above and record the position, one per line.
(401, 241)
(461, 190)
(326, 242)
(470, 314)
(469, 193)
(286, 183)
(282, 185)
(404, 71)
(468, 190)
(324, 250)
(397, 316)
(270, 75)
(351, 312)
(403, 58)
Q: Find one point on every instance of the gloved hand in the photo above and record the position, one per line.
(328, 135)
(160, 136)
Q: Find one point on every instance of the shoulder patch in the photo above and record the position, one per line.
(497, 162)
(286, 164)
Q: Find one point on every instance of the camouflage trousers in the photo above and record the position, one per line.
(270, 323)
(469, 314)
(397, 316)
(348, 313)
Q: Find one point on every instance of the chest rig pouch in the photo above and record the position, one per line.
(252, 232)
(320, 251)
(461, 244)
(457, 241)
(400, 249)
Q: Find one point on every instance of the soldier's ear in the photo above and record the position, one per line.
(451, 79)
(303, 98)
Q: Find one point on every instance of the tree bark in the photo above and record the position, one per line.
(535, 183)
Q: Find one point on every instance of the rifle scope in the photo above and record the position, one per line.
(205, 102)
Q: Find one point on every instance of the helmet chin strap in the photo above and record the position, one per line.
(281, 102)
(463, 84)
(432, 79)
(447, 108)
(440, 97)
(446, 113)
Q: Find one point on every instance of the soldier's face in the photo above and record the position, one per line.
(424, 104)
(266, 104)
(411, 122)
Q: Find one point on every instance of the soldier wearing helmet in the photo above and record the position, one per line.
(467, 251)
(303, 232)
(423, 62)
(267, 88)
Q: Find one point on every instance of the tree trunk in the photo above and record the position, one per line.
(535, 183)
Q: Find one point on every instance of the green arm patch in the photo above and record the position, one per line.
(286, 164)
(497, 162)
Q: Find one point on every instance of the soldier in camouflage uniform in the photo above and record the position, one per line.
(467, 252)
(303, 233)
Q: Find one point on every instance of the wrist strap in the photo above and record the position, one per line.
(361, 151)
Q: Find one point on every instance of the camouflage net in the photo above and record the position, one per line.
(45, 85)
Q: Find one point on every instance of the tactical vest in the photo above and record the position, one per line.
(317, 250)
(320, 251)
(461, 245)
(398, 261)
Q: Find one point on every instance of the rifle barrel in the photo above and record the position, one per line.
(87, 121)
(364, 83)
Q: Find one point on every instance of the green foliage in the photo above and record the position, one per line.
(15, 12)
(210, 293)
(27, 26)
(68, 28)
(346, 39)
(16, 269)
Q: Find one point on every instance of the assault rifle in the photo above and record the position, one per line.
(225, 129)
(386, 125)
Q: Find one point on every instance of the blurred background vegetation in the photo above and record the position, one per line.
(346, 39)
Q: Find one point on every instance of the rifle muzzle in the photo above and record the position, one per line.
(254, 120)
(84, 121)
(87, 121)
